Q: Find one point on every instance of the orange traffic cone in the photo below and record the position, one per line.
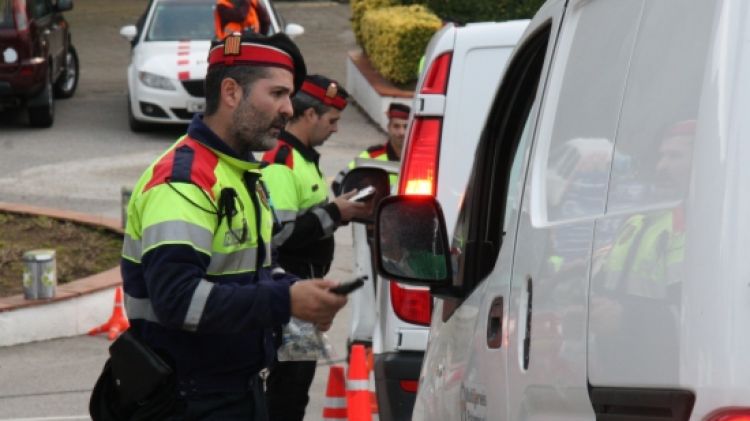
(116, 324)
(371, 378)
(335, 403)
(357, 386)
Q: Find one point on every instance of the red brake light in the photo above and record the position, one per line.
(734, 414)
(411, 305)
(409, 385)
(436, 81)
(419, 173)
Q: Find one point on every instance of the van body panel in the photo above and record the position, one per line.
(479, 54)
(625, 265)
(480, 57)
(636, 289)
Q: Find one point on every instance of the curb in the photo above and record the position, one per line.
(77, 306)
(372, 93)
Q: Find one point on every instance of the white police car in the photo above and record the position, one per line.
(168, 61)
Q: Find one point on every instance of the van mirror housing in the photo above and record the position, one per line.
(411, 243)
(359, 178)
(64, 5)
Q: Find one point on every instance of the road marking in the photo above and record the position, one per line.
(66, 418)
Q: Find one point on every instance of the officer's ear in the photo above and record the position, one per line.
(310, 115)
(231, 93)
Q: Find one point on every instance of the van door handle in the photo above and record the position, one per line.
(495, 324)
(527, 333)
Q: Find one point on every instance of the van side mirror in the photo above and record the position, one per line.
(64, 5)
(411, 243)
(358, 178)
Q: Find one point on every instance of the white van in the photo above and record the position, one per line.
(598, 269)
(463, 70)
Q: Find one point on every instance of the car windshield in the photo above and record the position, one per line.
(181, 21)
(6, 15)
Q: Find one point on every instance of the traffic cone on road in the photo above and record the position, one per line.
(335, 403)
(371, 377)
(358, 386)
(117, 323)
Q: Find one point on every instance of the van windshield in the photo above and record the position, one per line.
(168, 23)
(6, 14)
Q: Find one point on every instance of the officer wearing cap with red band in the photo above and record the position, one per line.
(398, 119)
(202, 288)
(307, 219)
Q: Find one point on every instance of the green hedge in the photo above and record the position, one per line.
(394, 39)
(463, 11)
(359, 7)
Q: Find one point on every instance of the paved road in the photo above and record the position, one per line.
(83, 161)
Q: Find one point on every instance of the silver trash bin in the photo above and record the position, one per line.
(39, 274)
(125, 193)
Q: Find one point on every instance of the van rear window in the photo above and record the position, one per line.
(6, 14)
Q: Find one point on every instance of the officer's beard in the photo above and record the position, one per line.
(252, 128)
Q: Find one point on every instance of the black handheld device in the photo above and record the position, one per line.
(345, 288)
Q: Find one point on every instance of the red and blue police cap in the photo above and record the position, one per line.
(396, 110)
(325, 90)
(251, 49)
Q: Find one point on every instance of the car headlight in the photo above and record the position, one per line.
(156, 81)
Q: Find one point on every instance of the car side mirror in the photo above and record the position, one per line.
(359, 178)
(294, 30)
(129, 32)
(64, 5)
(411, 244)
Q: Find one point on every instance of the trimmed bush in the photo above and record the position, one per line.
(359, 7)
(394, 39)
(463, 11)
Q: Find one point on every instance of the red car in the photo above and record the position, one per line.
(37, 60)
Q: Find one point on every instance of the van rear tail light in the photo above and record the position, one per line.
(22, 22)
(730, 414)
(419, 174)
(411, 305)
(436, 81)
(409, 385)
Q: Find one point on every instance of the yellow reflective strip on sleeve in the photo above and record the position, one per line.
(177, 232)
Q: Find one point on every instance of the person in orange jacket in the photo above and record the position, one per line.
(240, 16)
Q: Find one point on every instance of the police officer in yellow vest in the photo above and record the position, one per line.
(201, 286)
(398, 119)
(307, 218)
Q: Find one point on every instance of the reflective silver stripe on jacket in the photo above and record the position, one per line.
(239, 261)
(282, 236)
(177, 232)
(197, 305)
(141, 308)
(286, 215)
(326, 222)
(131, 248)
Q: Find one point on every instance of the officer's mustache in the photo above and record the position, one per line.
(279, 122)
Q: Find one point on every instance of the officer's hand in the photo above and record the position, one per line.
(349, 210)
(311, 301)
